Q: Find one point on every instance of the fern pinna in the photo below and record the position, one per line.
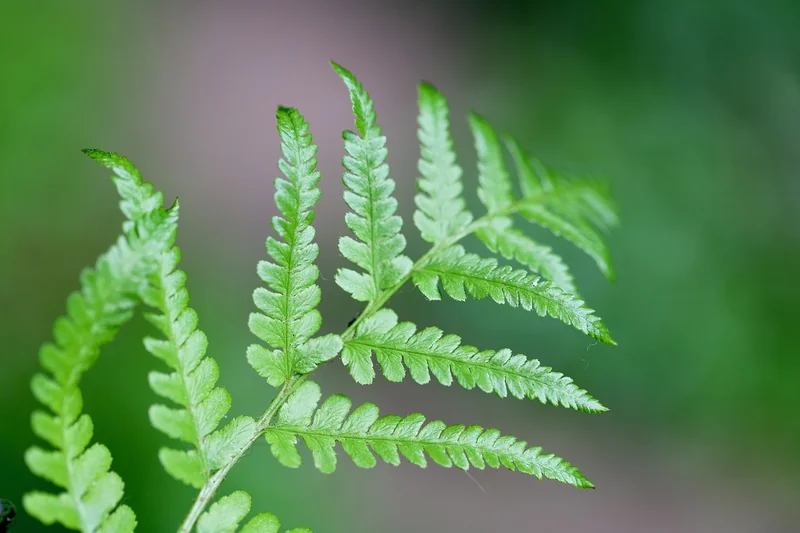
(142, 268)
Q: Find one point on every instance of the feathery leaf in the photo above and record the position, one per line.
(397, 346)
(500, 237)
(92, 492)
(289, 317)
(566, 205)
(441, 210)
(378, 250)
(364, 431)
(460, 272)
(495, 184)
(580, 234)
(192, 382)
(225, 514)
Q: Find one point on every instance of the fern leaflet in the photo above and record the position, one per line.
(92, 493)
(565, 205)
(392, 436)
(378, 250)
(191, 384)
(500, 237)
(441, 210)
(225, 515)
(495, 184)
(461, 272)
(289, 316)
(397, 346)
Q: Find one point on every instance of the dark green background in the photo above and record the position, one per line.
(690, 108)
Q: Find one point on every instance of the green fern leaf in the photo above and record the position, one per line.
(500, 237)
(289, 316)
(400, 346)
(574, 196)
(460, 272)
(378, 250)
(92, 492)
(225, 515)
(495, 183)
(363, 432)
(441, 210)
(580, 234)
(191, 384)
(567, 206)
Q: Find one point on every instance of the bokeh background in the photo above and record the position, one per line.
(690, 108)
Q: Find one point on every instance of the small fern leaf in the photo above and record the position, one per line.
(461, 273)
(91, 491)
(268, 523)
(441, 210)
(379, 245)
(531, 183)
(192, 381)
(581, 235)
(566, 205)
(495, 183)
(364, 432)
(500, 237)
(225, 515)
(400, 346)
(289, 317)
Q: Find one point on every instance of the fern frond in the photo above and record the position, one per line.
(495, 184)
(289, 317)
(392, 436)
(225, 515)
(441, 210)
(400, 346)
(580, 234)
(106, 300)
(191, 384)
(460, 272)
(378, 250)
(565, 205)
(500, 237)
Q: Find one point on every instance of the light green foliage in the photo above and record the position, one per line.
(91, 492)
(190, 385)
(511, 243)
(378, 250)
(289, 316)
(225, 515)
(568, 206)
(397, 346)
(441, 209)
(143, 267)
(461, 273)
(364, 432)
(495, 184)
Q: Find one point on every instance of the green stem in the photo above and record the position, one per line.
(210, 488)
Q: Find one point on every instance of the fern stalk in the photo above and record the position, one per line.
(209, 490)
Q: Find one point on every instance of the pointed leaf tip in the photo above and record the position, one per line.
(337, 67)
(120, 164)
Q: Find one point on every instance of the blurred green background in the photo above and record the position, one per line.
(690, 108)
